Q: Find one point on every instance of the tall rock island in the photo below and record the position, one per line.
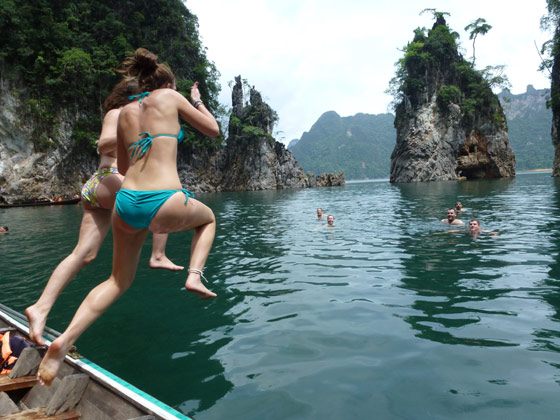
(251, 158)
(449, 123)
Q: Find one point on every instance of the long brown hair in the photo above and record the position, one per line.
(144, 67)
(119, 96)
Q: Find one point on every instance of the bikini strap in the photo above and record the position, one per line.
(140, 147)
(181, 136)
(188, 194)
(141, 95)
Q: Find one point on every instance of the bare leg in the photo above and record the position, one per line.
(94, 228)
(200, 248)
(158, 258)
(175, 216)
(126, 253)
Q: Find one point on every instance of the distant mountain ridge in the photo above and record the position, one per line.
(529, 124)
(359, 145)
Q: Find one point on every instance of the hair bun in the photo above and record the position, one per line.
(145, 60)
(141, 63)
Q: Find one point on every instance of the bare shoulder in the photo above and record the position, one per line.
(128, 110)
(167, 94)
(112, 115)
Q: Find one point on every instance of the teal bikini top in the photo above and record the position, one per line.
(141, 146)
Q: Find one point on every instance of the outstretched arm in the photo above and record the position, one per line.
(199, 117)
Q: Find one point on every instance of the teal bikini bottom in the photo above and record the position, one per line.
(138, 208)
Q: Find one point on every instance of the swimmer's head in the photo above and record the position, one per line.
(474, 225)
(319, 212)
(3, 228)
(451, 214)
(458, 205)
(330, 220)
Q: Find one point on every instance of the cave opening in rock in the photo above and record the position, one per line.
(478, 172)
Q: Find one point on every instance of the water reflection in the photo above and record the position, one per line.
(459, 280)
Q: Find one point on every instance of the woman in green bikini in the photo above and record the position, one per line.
(98, 197)
(151, 196)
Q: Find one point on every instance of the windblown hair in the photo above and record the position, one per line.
(121, 92)
(144, 67)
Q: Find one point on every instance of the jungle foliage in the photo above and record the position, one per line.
(432, 65)
(63, 53)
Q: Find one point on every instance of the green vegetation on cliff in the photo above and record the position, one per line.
(62, 53)
(359, 145)
(431, 65)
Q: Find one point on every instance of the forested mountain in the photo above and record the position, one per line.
(529, 122)
(59, 55)
(57, 61)
(359, 145)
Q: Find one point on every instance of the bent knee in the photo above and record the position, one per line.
(212, 218)
(85, 257)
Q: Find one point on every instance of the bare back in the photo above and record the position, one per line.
(157, 114)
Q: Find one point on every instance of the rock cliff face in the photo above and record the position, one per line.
(437, 146)
(449, 123)
(555, 99)
(26, 173)
(251, 160)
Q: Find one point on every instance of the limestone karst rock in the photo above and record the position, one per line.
(450, 124)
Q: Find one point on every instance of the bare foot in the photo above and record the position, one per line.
(48, 369)
(194, 284)
(36, 324)
(165, 263)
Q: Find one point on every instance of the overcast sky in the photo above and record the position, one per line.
(307, 57)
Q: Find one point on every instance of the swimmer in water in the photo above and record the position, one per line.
(452, 218)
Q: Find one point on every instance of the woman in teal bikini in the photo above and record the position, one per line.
(98, 197)
(151, 196)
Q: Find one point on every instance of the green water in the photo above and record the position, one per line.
(386, 316)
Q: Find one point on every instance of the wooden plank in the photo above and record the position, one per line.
(27, 363)
(39, 414)
(68, 394)
(7, 384)
(7, 406)
(39, 396)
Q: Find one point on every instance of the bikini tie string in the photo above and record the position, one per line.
(140, 147)
(189, 195)
(141, 95)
